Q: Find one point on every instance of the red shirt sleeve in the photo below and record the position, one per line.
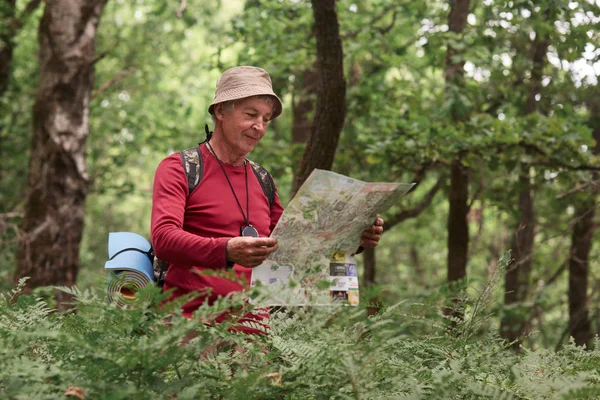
(170, 242)
(276, 211)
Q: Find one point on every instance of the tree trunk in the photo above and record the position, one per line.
(370, 266)
(581, 244)
(579, 263)
(420, 271)
(513, 324)
(458, 228)
(57, 186)
(454, 73)
(458, 237)
(370, 262)
(331, 100)
(304, 105)
(519, 269)
(540, 48)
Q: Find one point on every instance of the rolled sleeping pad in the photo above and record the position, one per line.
(130, 267)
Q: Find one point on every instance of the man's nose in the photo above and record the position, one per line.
(259, 126)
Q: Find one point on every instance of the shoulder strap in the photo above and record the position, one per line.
(266, 181)
(192, 165)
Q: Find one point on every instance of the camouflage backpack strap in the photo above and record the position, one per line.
(266, 181)
(192, 165)
(159, 268)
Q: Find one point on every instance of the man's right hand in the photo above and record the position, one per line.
(249, 251)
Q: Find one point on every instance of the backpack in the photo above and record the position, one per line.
(191, 160)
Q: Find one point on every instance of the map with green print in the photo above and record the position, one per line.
(326, 216)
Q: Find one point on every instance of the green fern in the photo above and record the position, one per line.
(403, 352)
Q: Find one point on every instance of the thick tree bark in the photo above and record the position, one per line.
(579, 263)
(517, 277)
(513, 325)
(415, 259)
(458, 228)
(53, 222)
(331, 100)
(581, 244)
(457, 22)
(540, 48)
(370, 263)
(304, 105)
(369, 277)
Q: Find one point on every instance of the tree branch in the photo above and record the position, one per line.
(29, 9)
(354, 34)
(5, 225)
(385, 30)
(582, 167)
(12, 214)
(16, 22)
(418, 209)
(475, 197)
(420, 174)
(578, 188)
(554, 163)
(558, 273)
(536, 149)
(106, 85)
(103, 54)
(181, 8)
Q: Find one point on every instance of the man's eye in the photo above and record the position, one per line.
(251, 115)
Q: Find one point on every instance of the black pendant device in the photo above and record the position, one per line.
(248, 231)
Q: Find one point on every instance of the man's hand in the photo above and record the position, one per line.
(249, 251)
(370, 237)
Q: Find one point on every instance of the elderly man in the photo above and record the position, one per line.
(225, 222)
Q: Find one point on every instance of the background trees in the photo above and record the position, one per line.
(490, 107)
(52, 223)
(331, 94)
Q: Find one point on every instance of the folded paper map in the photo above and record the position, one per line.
(326, 217)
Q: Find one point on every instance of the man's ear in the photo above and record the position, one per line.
(219, 111)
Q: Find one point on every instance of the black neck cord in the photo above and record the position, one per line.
(231, 186)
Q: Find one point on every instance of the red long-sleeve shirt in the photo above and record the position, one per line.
(190, 232)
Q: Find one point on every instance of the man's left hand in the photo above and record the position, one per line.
(370, 237)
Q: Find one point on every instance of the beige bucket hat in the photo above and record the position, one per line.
(245, 81)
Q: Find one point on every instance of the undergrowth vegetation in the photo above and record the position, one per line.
(409, 350)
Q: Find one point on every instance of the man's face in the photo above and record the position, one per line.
(244, 125)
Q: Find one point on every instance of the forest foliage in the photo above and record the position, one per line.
(405, 351)
(517, 123)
